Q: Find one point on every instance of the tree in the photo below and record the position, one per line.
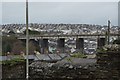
(7, 43)
(32, 47)
(18, 47)
(6, 48)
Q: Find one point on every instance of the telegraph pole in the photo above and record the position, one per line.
(108, 32)
(118, 20)
(27, 42)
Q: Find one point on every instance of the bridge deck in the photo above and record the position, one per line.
(67, 36)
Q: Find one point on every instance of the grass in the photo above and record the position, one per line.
(15, 60)
(101, 50)
(1, 54)
(69, 59)
(12, 61)
(79, 55)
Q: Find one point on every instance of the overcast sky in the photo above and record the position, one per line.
(61, 12)
(0, 13)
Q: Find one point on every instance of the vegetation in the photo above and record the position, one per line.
(101, 50)
(7, 43)
(79, 55)
(13, 61)
(117, 41)
(112, 47)
(69, 59)
(14, 46)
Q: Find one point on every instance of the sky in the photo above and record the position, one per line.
(61, 12)
(0, 13)
(61, 0)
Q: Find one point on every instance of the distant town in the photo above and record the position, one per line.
(62, 28)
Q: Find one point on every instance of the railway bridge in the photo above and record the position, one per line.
(101, 39)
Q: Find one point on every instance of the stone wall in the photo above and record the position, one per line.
(109, 65)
